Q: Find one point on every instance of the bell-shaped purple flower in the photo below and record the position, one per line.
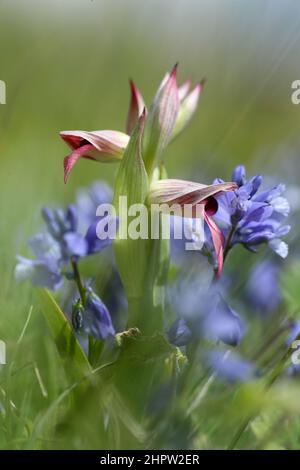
(230, 366)
(88, 200)
(263, 292)
(71, 233)
(44, 271)
(179, 333)
(202, 312)
(251, 216)
(223, 323)
(93, 318)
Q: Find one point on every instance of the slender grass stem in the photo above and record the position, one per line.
(77, 278)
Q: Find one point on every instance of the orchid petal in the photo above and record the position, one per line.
(136, 108)
(184, 89)
(71, 159)
(112, 142)
(161, 120)
(103, 146)
(173, 191)
(218, 241)
(187, 109)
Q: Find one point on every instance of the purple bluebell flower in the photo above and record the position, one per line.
(66, 238)
(74, 245)
(87, 202)
(62, 226)
(222, 323)
(251, 216)
(93, 318)
(53, 250)
(180, 334)
(203, 312)
(59, 222)
(44, 271)
(230, 366)
(109, 228)
(262, 290)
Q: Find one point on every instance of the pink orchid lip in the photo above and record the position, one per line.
(209, 209)
(218, 242)
(107, 140)
(85, 151)
(199, 196)
(210, 206)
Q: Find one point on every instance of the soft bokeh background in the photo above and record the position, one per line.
(66, 64)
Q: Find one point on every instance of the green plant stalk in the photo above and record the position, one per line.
(77, 278)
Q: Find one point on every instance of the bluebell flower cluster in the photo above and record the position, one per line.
(252, 216)
(71, 233)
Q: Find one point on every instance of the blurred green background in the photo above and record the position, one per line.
(66, 64)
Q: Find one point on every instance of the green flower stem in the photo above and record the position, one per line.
(77, 278)
(228, 242)
(134, 309)
(143, 314)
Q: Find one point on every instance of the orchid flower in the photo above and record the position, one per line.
(201, 197)
(102, 146)
(169, 113)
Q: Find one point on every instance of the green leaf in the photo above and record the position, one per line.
(132, 182)
(138, 348)
(145, 361)
(96, 347)
(74, 360)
